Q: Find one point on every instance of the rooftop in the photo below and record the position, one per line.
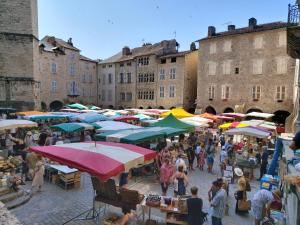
(249, 29)
(87, 59)
(112, 59)
(178, 54)
(51, 43)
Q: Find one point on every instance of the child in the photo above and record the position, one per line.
(201, 159)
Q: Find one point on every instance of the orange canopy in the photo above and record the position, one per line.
(209, 116)
(30, 113)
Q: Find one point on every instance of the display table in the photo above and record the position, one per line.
(64, 176)
(173, 214)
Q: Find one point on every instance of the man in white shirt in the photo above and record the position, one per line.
(180, 162)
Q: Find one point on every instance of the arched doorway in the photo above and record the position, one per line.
(191, 110)
(55, 105)
(228, 110)
(161, 107)
(141, 107)
(149, 107)
(110, 106)
(43, 106)
(173, 107)
(121, 107)
(211, 110)
(254, 110)
(280, 116)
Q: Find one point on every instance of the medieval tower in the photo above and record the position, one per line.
(19, 67)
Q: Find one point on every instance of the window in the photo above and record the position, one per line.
(173, 60)
(211, 92)
(151, 77)
(110, 65)
(151, 95)
(162, 74)
(161, 92)
(121, 64)
(172, 91)
(122, 96)
(213, 48)
(225, 92)
(53, 86)
(236, 70)
(91, 78)
(140, 95)
(73, 88)
(280, 93)
(109, 78)
(146, 77)
(83, 92)
(141, 78)
(172, 73)
(129, 64)
(281, 65)
(143, 61)
(282, 39)
(256, 91)
(72, 69)
(258, 42)
(227, 46)
(83, 78)
(87, 67)
(103, 95)
(121, 78)
(109, 95)
(103, 78)
(226, 67)
(145, 94)
(53, 68)
(128, 96)
(163, 61)
(128, 78)
(103, 66)
(91, 93)
(257, 66)
(212, 67)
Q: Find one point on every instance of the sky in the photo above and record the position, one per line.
(101, 28)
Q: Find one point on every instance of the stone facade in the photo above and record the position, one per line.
(19, 78)
(66, 76)
(247, 66)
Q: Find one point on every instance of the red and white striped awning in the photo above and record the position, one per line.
(103, 159)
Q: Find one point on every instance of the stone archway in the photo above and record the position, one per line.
(149, 107)
(141, 107)
(211, 110)
(110, 106)
(173, 107)
(254, 110)
(228, 110)
(56, 105)
(191, 110)
(161, 107)
(121, 107)
(280, 116)
(43, 106)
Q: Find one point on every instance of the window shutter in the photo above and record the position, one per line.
(223, 92)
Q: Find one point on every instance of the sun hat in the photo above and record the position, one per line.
(238, 172)
(29, 133)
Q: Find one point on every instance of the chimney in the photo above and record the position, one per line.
(211, 31)
(193, 46)
(252, 23)
(231, 27)
(126, 50)
(70, 41)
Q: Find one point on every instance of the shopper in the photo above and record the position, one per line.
(166, 172)
(218, 204)
(194, 205)
(180, 182)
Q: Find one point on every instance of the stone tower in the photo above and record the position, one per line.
(19, 73)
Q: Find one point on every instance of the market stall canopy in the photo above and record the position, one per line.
(155, 111)
(136, 136)
(47, 116)
(77, 106)
(177, 112)
(209, 116)
(11, 124)
(111, 113)
(196, 121)
(94, 107)
(235, 115)
(73, 127)
(125, 118)
(171, 121)
(249, 131)
(106, 126)
(89, 117)
(30, 113)
(227, 118)
(261, 115)
(233, 125)
(101, 159)
(70, 110)
(141, 116)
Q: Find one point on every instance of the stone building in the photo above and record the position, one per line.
(107, 81)
(19, 77)
(247, 66)
(66, 76)
(177, 80)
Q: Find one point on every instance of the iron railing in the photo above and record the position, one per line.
(293, 14)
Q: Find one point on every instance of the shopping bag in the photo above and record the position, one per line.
(244, 205)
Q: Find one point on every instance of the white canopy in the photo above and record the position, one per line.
(113, 126)
(249, 131)
(11, 124)
(261, 115)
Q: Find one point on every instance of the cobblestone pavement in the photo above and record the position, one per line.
(54, 205)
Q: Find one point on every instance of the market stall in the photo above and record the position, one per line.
(89, 117)
(12, 124)
(73, 127)
(107, 126)
(177, 112)
(171, 121)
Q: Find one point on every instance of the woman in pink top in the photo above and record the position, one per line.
(166, 172)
